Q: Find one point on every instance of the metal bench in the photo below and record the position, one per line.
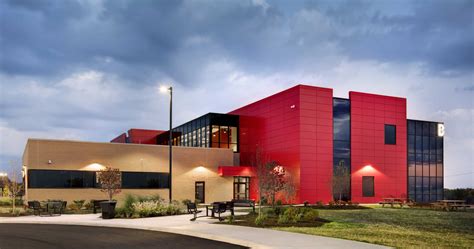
(219, 208)
(244, 203)
(192, 209)
(36, 207)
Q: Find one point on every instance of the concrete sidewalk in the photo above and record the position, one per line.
(203, 228)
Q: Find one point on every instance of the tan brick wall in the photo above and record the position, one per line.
(189, 165)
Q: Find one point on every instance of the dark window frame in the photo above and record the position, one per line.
(238, 183)
(163, 180)
(368, 192)
(36, 185)
(389, 138)
(203, 191)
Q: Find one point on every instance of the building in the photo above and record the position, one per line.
(310, 133)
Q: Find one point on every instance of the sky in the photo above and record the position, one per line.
(91, 69)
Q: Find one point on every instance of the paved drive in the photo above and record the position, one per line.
(36, 236)
(201, 228)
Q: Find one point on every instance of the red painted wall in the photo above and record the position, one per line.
(316, 144)
(388, 163)
(142, 136)
(293, 127)
(138, 136)
(122, 138)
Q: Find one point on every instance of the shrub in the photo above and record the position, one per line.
(295, 215)
(331, 203)
(186, 201)
(4, 201)
(319, 204)
(283, 219)
(306, 203)
(279, 210)
(127, 207)
(156, 208)
(279, 202)
(78, 204)
(310, 215)
(261, 220)
(156, 198)
(147, 208)
(88, 205)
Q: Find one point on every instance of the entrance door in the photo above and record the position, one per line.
(241, 187)
(199, 192)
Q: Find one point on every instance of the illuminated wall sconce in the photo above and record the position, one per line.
(50, 162)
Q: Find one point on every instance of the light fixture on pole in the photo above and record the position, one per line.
(169, 89)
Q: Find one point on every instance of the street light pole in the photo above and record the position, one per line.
(169, 89)
(170, 142)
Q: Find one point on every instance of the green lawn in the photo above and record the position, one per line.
(401, 228)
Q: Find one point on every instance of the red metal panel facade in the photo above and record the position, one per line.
(293, 127)
(370, 156)
(142, 136)
(122, 138)
(272, 126)
(236, 171)
(316, 144)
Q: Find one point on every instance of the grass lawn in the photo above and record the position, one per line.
(401, 228)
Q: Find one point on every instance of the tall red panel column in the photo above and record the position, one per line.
(370, 156)
(293, 127)
(316, 144)
(272, 125)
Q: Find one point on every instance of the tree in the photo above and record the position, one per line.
(110, 181)
(270, 179)
(289, 189)
(341, 180)
(12, 183)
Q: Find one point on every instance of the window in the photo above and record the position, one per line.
(61, 179)
(368, 186)
(133, 180)
(390, 134)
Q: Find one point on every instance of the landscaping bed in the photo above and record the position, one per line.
(396, 227)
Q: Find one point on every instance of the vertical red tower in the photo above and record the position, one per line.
(293, 127)
(370, 155)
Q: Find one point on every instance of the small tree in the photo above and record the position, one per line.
(341, 180)
(12, 183)
(270, 179)
(289, 189)
(110, 181)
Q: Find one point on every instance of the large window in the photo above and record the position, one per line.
(390, 134)
(425, 155)
(342, 147)
(210, 130)
(368, 186)
(88, 179)
(60, 179)
(145, 180)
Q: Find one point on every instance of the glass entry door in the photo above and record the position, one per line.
(241, 187)
(199, 192)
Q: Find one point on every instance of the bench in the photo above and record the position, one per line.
(192, 209)
(463, 206)
(96, 205)
(244, 203)
(219, 208)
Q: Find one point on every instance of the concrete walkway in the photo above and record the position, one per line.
(203, 228)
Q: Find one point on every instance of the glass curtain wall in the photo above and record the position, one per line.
(425, 161)
(342, 147)
(211, 130)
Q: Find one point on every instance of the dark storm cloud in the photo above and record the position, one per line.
(177, 39)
